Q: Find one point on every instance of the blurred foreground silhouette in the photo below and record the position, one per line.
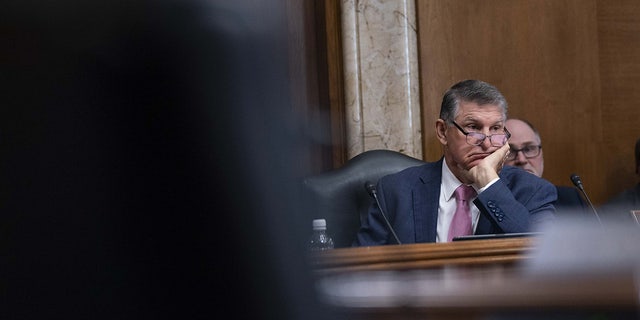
(148, 164)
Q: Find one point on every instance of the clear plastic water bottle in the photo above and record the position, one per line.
(320, 239)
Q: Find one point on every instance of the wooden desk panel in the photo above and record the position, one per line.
(479, 293)
(476, 279)
(423, 255)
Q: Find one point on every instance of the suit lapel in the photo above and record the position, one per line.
(425, 202)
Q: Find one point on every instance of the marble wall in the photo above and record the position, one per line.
(381, 76)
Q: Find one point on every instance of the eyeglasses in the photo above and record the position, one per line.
(528, 152)
(476, 138)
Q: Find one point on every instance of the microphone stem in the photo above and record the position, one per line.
(375, 196)
(591, 205)
(578, 183)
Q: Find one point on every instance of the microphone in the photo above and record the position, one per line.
(371, 189)
(578, 183)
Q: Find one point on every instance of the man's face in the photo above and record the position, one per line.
(522, 136)
(485, 119)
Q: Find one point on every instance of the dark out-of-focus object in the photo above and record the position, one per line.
(620, 205)
(571, 246)
(339, 195)
(145, 146)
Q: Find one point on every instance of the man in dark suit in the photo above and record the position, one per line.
(526, 153)
(419, 202)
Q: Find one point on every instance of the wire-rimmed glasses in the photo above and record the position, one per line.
(476, 138)
(530, 151)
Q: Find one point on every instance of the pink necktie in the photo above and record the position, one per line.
(461, 223)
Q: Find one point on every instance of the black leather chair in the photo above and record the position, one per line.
(340, 196)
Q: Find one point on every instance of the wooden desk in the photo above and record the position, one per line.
(423, 255)
(477, 279)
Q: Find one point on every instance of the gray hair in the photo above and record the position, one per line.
(476, 91)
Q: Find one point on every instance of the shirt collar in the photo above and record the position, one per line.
(449, 182)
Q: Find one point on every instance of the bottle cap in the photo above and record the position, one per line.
(319, 224)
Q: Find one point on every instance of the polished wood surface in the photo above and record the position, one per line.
(423, 255)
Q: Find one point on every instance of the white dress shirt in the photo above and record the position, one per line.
(447, 203)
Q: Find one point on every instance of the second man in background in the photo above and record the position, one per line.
(526, 153)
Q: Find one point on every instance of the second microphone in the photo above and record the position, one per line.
(371, 189)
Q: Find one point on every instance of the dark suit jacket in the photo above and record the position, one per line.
(409, 198)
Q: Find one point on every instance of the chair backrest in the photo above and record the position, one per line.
(340, 196)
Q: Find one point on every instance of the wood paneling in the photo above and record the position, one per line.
(566, 65)
(332, 14)
(619, 46)
(316, 89)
